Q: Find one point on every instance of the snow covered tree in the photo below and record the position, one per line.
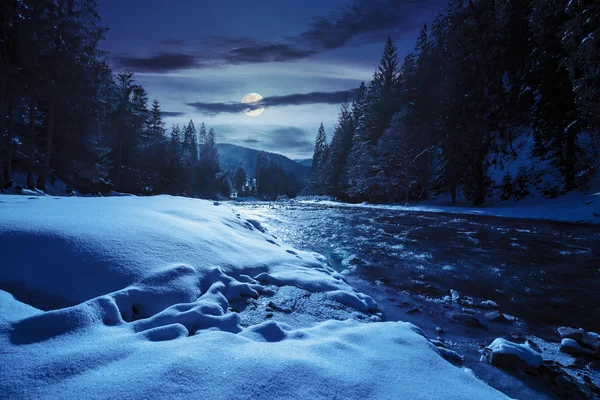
(319, 163)
(174, 173)
(555, 118)
(581, 41)
(339, 149)
(395, 161)
(202, 138)
(208, 166)
(190, 143)
(358, 164)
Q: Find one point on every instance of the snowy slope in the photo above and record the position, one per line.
(160, 298)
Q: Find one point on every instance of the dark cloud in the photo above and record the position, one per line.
(162, 62)
(266, 53)
(362, 22)
(251, 141)
(276, 101)
(172, 113)
(367, 21)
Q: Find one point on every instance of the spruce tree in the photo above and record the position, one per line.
(319, 163)
(339, 150)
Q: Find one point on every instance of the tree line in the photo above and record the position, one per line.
(65, 114)
(270, 181)
(487, 74)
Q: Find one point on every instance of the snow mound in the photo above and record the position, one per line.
(130, 297)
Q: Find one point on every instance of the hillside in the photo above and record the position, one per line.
(230, 156)
(307, 162)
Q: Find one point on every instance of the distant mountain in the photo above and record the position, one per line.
(230, 156)
(307, 162)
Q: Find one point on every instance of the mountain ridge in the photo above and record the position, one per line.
(231, 154)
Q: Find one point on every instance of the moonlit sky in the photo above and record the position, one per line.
(200, 58)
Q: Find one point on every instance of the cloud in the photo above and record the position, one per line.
(172, 113)
(163, 62)
(367, 21)
(362, 22)
(266, 53)
(276, 101)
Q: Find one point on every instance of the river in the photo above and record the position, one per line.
(424, 267)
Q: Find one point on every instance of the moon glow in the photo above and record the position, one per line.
(252, 98)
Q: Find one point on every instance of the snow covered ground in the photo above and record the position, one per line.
(167, 297)
(572, 207)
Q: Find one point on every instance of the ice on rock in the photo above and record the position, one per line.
(129, 297)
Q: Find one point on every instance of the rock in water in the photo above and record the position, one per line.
(495, 316)
(509, 355)
(466, 319)
(590, 340)
(569, 343)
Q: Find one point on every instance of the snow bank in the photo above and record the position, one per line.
(141, 298)
(572, 207)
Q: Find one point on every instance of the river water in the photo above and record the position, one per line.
(421, 267)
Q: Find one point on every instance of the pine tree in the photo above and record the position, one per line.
(239, 180)
(319, 163)
(190, 144)
(555, 118)
(209, 166)
(581, 41)
(383, 92)
(395, 161)
(202, 137)
(339, 150)
(359, 161)
(156, 125)
(175, 171)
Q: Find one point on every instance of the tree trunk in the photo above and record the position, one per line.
(453, 185)
(9, 138)
(41, 183)
(31, 163)
(570, 160)
(118, 183)
(2, 129)
(480, 194)
(426, 177)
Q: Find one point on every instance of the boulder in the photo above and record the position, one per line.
(495, 316)
(505, 354)
(590, 340)
(466, 319)
(570, 346)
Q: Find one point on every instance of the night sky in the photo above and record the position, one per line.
(200, 58)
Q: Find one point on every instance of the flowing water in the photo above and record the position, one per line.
(423, 267)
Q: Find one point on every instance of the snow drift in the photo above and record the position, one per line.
(169, 297)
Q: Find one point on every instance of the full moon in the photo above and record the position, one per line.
(252, 98)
